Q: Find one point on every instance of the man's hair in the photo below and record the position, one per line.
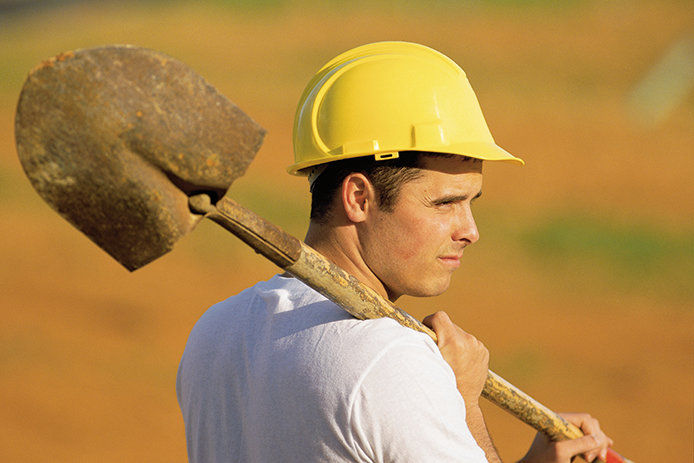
(386, 176)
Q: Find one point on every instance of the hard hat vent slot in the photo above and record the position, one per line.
(386, 156)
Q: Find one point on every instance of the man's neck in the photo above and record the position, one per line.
(340, 245)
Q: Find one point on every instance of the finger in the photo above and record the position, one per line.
(583, 445)
(587, 423)
(601, 453)
(441, 323)
(601, 440)
(591, 426)
(437, 319)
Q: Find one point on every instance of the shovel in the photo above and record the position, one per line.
(134, 148)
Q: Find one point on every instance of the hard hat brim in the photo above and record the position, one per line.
(476, 150)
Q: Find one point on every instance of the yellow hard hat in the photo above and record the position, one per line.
(386, 97)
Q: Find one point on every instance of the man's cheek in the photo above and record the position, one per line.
(401, 250)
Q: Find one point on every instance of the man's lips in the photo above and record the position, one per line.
(452, 260)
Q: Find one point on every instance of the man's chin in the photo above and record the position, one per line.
(431, 290)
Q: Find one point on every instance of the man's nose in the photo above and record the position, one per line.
(466, 228)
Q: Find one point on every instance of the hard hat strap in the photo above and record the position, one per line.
(314, 172)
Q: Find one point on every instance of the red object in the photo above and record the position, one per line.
(613, 457)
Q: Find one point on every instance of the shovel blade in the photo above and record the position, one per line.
(116, 138)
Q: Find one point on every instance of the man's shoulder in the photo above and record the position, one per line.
(292, 319)
(282, 291)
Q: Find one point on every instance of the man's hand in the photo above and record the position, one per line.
(593, 445)
(469, 360)
(467, 356)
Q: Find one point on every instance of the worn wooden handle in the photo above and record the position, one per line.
(362, 302)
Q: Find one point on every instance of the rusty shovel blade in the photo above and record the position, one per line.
(117, 138)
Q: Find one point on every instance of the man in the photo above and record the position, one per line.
(393, 140)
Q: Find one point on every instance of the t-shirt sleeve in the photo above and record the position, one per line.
(407, 408)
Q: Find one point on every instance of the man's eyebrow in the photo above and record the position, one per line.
(455, 198)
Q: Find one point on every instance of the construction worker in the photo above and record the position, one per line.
(393, 140)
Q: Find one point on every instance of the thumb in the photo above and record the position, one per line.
(441, 323)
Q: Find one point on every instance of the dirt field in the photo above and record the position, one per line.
(582, 286)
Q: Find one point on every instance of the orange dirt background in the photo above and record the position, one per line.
(89, 352)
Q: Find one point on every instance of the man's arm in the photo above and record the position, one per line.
(469, 360)
(593, 445)
(407, 408)
(478, 429)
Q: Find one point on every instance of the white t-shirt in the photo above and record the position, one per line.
(278, 373)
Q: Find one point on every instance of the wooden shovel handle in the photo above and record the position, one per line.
(362, 302)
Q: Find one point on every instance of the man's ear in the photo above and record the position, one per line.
(358, 196)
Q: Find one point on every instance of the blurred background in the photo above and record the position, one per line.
(582, 286)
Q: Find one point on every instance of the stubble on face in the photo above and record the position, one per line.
(415, 248)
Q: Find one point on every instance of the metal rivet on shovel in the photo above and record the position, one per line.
(134, 148)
